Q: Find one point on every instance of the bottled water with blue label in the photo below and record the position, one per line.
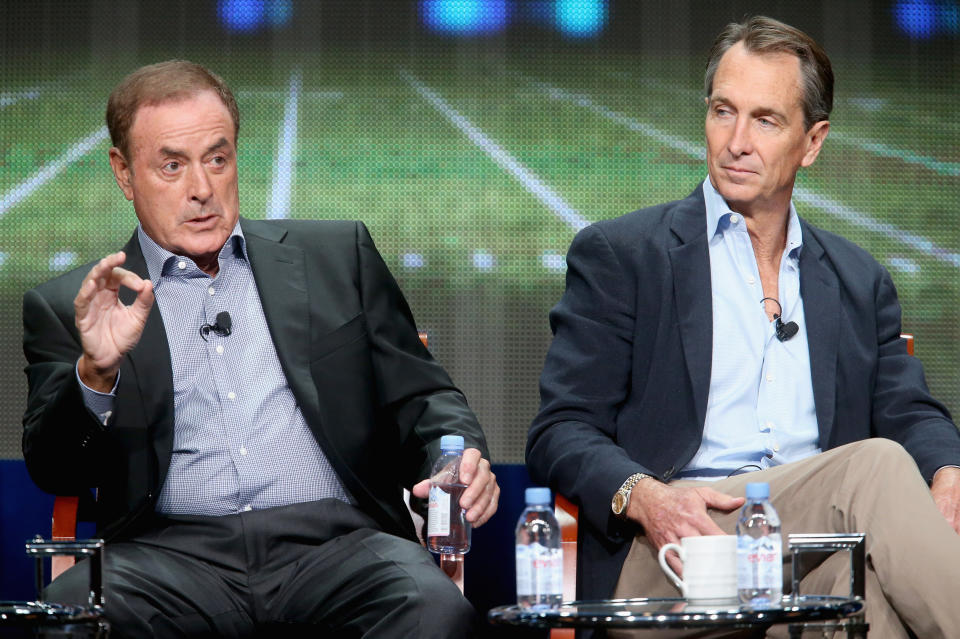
(759, 549)
(539, 555)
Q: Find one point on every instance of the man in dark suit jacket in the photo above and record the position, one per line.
(662, 335)
(292, 513)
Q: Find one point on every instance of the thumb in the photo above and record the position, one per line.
(421, 489)
(144, 300)
(718, 500)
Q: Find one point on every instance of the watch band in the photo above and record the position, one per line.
(621, 499)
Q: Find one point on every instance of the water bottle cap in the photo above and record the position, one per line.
(758, 490)
(537, 496)
(451, 442)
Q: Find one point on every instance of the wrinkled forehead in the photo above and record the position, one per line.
(188, 116)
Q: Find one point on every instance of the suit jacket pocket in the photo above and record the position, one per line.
(353, 330)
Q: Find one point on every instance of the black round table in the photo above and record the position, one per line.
(30, 618)
(679, 614)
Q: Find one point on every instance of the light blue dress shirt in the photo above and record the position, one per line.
(760, 407)
(240, 440)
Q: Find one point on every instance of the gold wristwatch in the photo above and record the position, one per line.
(621, 499)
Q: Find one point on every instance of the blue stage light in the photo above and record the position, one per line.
(464, 17)
(916, 18)
(581, 18)
(242, 16)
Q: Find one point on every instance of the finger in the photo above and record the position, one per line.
(141, 305)
(718, 500)
(481, 485)
(674, 562)
(479, 506)
(491, 508)
(468, 465)
(475, 486)
(421, 489)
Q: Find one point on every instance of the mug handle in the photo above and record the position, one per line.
(662, 558)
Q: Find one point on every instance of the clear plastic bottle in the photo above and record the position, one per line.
(539, 555)
(759, 549)
(448, 531)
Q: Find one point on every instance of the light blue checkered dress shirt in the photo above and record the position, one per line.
(240, 440)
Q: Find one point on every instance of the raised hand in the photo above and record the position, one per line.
(108, 328)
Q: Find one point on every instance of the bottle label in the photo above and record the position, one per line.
(760, 563)
(438, 513)
(539, 570)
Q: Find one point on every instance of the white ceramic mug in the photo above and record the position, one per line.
(709, 567)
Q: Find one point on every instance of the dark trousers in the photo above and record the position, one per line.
(319, 569)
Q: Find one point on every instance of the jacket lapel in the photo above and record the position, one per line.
(281, 282)
(690, 262)
(151, 372)
(820, 291)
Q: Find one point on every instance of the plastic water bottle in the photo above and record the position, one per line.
(539, 555)
(448, 531)
(759, 549)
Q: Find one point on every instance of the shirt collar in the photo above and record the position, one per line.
(718, 219)
(160, 261)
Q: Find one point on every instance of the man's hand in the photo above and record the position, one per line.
(482, 495)
(668, 513)
(108, 329)
(945, 489)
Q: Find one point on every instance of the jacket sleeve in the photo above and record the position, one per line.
(902, 407)
(61, 437)
(419, 394)
(572, 443)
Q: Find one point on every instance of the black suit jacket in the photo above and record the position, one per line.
(376, 401)
(624, 388)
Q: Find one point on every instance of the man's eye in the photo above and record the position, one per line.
(765, 123)
(171, 166)
(218, 160)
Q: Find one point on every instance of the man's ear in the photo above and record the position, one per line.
(815, 137)
(122, 172)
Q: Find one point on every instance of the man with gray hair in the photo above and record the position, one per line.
(721, 339)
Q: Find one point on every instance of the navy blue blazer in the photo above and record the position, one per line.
(624, 387)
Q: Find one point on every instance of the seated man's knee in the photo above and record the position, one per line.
(885, 452)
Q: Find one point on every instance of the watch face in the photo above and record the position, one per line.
(619, 501)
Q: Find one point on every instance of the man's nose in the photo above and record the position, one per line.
(200, 186)
(740, 142)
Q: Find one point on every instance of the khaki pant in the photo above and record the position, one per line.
(872, 486)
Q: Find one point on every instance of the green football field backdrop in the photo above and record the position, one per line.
(475, 158)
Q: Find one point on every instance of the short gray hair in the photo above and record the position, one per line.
(761, 34)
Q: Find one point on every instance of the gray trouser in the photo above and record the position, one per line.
(313, 569)
(873, 486)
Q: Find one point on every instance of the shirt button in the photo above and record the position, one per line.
(231, 395)
(211, 290)
(734, 219)
(247, 508)
(751, 280)
(243, 450)
(769, 424)
(219, 348)
(769, 375)
(181, 265)
(776, 448)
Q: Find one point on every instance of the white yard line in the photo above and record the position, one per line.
(802, 194)
(50, 170)
(283, 166)
(530, 181)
